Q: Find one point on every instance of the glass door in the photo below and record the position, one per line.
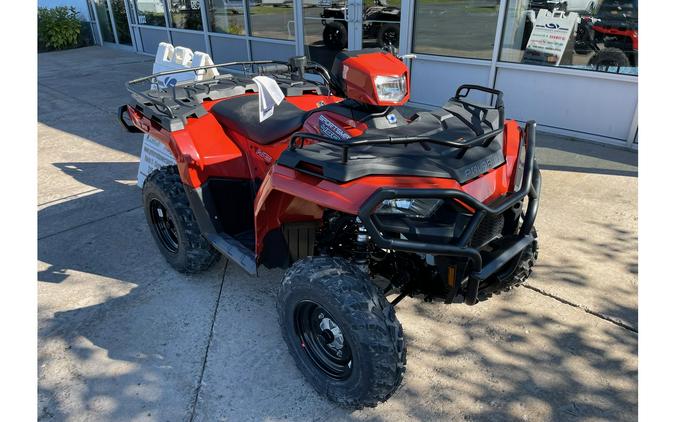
(119, 14)
(104, 21)
(332, 26)
(113, 22)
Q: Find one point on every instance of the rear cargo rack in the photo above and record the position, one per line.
(171, 105)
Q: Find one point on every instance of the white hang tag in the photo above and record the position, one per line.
(269, 95)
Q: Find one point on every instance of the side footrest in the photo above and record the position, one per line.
(234, 250)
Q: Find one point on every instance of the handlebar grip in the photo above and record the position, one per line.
(273, 68)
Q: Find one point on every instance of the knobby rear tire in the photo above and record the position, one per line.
(194, 253)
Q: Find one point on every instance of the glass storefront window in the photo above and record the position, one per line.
(150, 12)
(119, 13)
(326, 29)
(272, 19)
(459, 28)
(597, 35)
(104, 18)
(185, 14)
(226, 16)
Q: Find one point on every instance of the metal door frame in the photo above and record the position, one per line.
(114, 25)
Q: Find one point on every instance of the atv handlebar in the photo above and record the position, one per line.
(295, 68)
(273, 68)
(264, 67)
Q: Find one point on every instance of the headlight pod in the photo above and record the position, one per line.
(408, 207)
(390, 88)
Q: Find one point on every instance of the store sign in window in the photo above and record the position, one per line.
(459, 28)
(150, 12)
(597, 35)
(549, 40)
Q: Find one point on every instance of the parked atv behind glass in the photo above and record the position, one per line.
(612, 35)
(359, 202)
(380, 22)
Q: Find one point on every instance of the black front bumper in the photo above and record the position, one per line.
(479, 270)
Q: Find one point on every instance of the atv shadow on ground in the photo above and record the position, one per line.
(120, 334)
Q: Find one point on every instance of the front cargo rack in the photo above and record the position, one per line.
(481, 139)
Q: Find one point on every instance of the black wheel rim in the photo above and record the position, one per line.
(334, 38)
(323, 340)
(164, 226)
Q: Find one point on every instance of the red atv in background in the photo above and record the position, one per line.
(357, 200)
(612, 35)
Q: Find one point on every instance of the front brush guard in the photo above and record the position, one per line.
(480, 270)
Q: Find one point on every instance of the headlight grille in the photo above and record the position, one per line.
(490, 228)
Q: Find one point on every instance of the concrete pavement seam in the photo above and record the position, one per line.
(583, 308)
(89, 222)
(208, 346)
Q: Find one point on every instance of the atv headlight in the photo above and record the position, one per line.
(390, 88)
(416, 208)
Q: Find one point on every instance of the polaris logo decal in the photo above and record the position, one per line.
(482, 166)
(331, 130)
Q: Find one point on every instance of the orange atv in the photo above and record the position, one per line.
(357, 199)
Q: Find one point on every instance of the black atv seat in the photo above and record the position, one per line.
(241, 114)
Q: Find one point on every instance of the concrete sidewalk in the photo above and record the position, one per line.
(124, 337)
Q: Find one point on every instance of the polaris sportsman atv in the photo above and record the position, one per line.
(361, 203)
